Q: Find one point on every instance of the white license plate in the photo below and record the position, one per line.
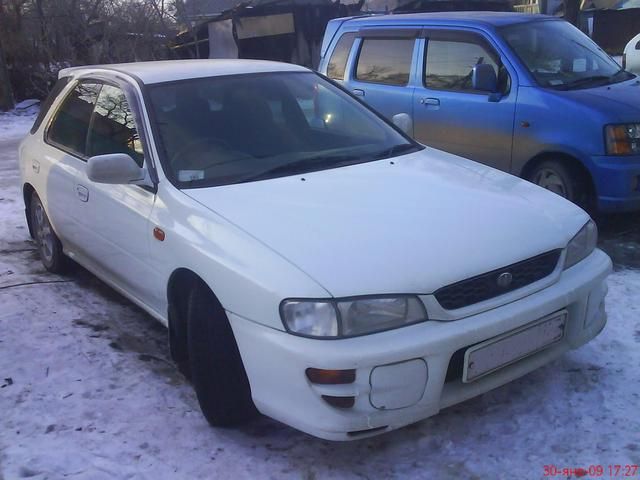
(489, 356)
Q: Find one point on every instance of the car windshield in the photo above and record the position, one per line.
(560, 56)
(232, 129)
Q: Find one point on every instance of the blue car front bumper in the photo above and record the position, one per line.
(617, 182)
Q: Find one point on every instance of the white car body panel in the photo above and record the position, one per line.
(299, 403)
(410, 224)
(632, 55)
(234, 264)
(171, 70)
(345, 226)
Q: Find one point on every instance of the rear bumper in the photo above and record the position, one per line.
(276, 361)
(617, 182)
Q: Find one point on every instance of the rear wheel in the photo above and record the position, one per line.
(47, 241)
(216, 368)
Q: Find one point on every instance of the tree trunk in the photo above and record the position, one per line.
(572, 11)
(6, 94)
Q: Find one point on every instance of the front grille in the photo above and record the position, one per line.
(486, 286)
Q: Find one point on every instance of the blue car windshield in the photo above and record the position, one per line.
(560, 56)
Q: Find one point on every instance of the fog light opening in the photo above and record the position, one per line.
(339, 402)
(330, 377)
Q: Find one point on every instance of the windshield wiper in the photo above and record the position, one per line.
(395, 151)
(325, 161)
(302, 165)
(581, 82)
(628, 75)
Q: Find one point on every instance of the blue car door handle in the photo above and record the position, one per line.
(430, 101)
(358, 92)
(82, 192)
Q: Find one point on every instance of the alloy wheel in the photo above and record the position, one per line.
(549, 179)
(44, 233)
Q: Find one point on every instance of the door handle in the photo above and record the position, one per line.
(35, 165)
(358, 92)
(430, 101)
(82, 192)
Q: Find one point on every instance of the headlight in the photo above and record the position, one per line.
(350, 317)
(314, 319)
(623, 139)
(581, 246)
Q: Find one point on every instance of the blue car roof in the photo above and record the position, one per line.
(495, 19)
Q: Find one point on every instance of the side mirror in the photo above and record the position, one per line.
(484, 79)
(403, 122)
(115, 168)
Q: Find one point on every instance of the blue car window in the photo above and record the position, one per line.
(449, 63)
(385, 60)
(338, 61)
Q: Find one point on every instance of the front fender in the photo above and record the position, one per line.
(249, 278)
(547, 122)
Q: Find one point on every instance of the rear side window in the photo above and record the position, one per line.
(71, 123)
(113, 128)
(46, 105)
(339, 57)
(386, 61)
(450, 63)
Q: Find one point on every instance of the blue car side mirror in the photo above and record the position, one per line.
(484, 78)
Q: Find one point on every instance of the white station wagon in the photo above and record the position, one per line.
(310, 260)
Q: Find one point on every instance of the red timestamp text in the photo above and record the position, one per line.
(593, 471)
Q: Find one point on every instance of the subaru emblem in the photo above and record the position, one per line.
(504, 280)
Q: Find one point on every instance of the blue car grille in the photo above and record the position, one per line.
(486, 286)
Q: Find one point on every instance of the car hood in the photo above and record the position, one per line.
(410, 224)
(619, 99)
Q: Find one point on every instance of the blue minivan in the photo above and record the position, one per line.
(528, 94)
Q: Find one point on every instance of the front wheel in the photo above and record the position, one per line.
(562, 180)
(217, 371)
(47, 241)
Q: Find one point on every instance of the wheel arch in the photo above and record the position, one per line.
(180, 283)
(567, 159)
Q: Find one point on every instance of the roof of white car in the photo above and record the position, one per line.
(171, 70)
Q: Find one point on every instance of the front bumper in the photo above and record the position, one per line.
(276, 361)
(617, 182)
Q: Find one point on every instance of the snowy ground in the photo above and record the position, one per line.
(87, 390)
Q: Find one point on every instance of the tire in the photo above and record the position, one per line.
(48, 243)
(562, 180)
(217, 372)
(178, 343)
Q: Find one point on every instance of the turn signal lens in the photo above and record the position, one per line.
(331, 377)
(623, 139)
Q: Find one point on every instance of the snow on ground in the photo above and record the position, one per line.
(87, 391)
(17, 122)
